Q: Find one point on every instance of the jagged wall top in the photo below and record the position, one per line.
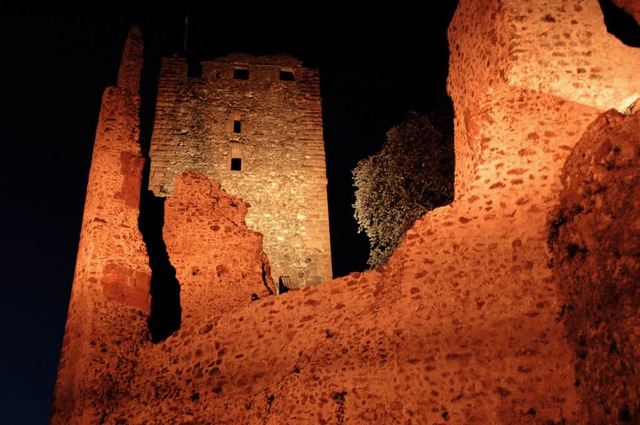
(130, 71)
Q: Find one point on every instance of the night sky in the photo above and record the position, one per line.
(375, 65)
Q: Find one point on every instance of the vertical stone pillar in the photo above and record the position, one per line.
(109, 303)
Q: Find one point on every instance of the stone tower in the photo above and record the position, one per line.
(254, 124)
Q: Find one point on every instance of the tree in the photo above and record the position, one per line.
(411, 175)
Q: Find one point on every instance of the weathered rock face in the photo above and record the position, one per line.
(596, 240)
(219, 262)
(549, 47)
(469, 322)
(109, 303)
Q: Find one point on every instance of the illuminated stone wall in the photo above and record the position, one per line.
(219, 262)
(468, 323)
(267, 123)
(581, 62)
(527, 79)
(558, 48)
(109, 305)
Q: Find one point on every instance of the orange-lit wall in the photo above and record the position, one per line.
(109, 303)
(468, 322)
(219, 262)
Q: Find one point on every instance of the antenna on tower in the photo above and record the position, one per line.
(186, 30)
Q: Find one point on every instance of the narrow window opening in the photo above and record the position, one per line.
(241, 74)
(236, 164)
(235, 156)
(237, 126)
(286, 75)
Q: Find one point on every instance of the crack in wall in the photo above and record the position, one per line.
(166, 312)
(165, 316)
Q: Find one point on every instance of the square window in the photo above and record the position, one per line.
(237, 125)
(286, 75)
(241, 74)
(235, 156)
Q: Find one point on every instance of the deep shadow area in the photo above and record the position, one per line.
(166, 312)
(165, 317)
(620, 24)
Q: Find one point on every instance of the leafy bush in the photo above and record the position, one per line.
(411, 175)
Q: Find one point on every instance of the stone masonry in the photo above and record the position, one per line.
(109, 305)
(255, 125)
(596, 258)
(515, 304)
(219, 262)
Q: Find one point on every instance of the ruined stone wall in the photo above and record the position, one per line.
(109, 303)
(463, 325)
(219, 262)
(468, 323)
(569, 40)
(273, 129)
(555, 47)
(562, 70)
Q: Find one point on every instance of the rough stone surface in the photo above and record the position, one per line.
(219, 262)
(596, 240)
(109, 305)
(273, 128)
(582, 62)
(469, 322)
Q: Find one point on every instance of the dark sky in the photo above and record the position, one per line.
(375, 65)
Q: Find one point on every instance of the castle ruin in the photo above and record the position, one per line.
(516, 304)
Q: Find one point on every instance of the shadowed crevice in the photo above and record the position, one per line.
(165, 316)
(166, 312)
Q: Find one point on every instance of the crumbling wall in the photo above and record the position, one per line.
(468, 323)
(478, 56)
(219, 262)
(595, 235)
(582, 62)
(106, 321)
(554, 47)
(272, 127)
(463, 325)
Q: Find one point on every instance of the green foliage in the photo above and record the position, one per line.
(411, 175)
